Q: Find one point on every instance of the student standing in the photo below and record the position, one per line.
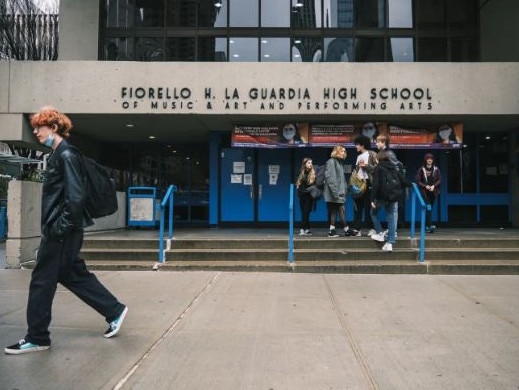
(428, 178)
(364, 167)
(63, 218)
(335, 189)
(305, 180)
(387, 188)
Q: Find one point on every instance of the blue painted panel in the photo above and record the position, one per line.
(273, 188)
(237, 199)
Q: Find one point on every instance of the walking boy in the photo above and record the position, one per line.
(63, 218)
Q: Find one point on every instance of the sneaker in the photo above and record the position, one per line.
(387, 247)
(115, 326)
(302, 232)
(386, 234)
(371, 232)
(333, 233)
(24, 347)
(308, 232)
(355, 233)
(380, 237)
(433, 228)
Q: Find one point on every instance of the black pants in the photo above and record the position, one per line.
(362, 211)
(429, 198)
(59, 261)
(306, 202)
(335, 209)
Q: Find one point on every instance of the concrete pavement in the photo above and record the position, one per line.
(221, 331)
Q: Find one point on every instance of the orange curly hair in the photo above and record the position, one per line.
(48, 116)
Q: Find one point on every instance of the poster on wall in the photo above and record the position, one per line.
(444, 136)
(447, 135)
(279, 136)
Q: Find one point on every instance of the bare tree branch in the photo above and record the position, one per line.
(28, 31)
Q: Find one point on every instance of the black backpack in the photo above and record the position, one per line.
(319, 176)
(391, 185)
(101, 199)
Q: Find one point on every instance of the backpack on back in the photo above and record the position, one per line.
(391, 185)
(101, 199)
(319, 176)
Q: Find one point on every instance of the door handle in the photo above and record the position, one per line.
(260, 191)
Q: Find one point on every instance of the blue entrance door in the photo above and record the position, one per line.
(274, 178)
(237, 185)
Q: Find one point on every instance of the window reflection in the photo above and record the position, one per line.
(275, 13)
(306, 14)
(149, 49)
(339, 50)
(401, 50)
(338, 13)
(369, 50)
(400, 13)
(243, 49)
(370, 13)
(220, 9)
(212, 49)
(118, 49)
(307, 49)
(244, 13)
(275, 49)
(149, 13)
(180, 49)
(119, 13)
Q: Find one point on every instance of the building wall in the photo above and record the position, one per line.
(78, 30)
(448, 88)
(499, 30)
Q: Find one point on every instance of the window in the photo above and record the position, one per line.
(180, 49)
(275, 49)
(370, 14)
(464, 50)
(431, 15)
(306, 14)
(244, 13)
(400, 13)
(339, 49)
(338, 13)
(149, 49)
(275, 13)
(369, 50)
(401, 50)
(243, 49)
(307, 49)
(432, 49)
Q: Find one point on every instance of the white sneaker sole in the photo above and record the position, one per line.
(28, 350)
(119, 324)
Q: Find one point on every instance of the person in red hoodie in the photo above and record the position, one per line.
(428, 178)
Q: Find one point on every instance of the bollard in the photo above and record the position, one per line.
(3, 222)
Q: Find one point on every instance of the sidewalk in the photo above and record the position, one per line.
(280, 331)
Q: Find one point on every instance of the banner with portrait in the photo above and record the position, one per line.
(277, 136)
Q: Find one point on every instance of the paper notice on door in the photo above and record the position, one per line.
(274, 169)
(273, 179)
(236, 179)
(247, 179)
(238, 167)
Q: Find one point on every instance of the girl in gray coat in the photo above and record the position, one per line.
(335, 189)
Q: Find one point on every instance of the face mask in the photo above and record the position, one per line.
(445, 134)
(289, 132)
(50, 139)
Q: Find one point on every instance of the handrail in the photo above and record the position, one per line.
(168, 197)
(423, 208)
(291, 226)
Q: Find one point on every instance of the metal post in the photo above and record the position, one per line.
(291, 225)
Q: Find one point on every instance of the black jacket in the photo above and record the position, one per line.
(63, 196)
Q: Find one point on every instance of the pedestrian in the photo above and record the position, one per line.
(387, 188)
(335, 189)
(63, 218)
(305, 181)
(364, 167)
(428, 178)
(383, 143)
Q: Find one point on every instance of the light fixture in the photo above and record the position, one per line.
(264, 41)
(236, 55)
(299, 4)
(218, 3)
(297, 41)
(130, 125)
(266, 55)
(151, 137)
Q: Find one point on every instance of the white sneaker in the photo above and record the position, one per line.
(302, 232)
(387, 247)
(371, 232)
(378, 237)
(386, 233)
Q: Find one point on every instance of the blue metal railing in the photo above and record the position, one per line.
(291, 226)
(168, 198)
(423, 207)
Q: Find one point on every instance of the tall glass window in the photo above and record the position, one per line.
(243, 49)
(431, 15)
(149, 49)
(180, 49)
(339, 49)
(400, 13)
(220, 9)
(369, 50)
(275, 13)
(338, 13)
(306, 14)
(244, 13)
(275, 49)
(307, 49)
(401, 50)
(370, 13)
